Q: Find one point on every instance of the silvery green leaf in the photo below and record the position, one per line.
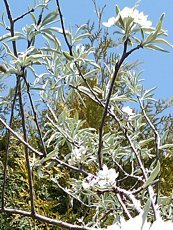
(49, 18)
(163, 41)
(166, 146)
(153, 175)
(154, 47)
(91, 74)
(68, 56)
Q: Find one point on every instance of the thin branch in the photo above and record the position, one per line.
(157, 139)
(9, 14)
(45, 219)
(117, 67)
(138, 178)
(63, 28)
(20, 138)
(72, 195)
(156, 134)
(38, 23)
(104, 215)
(85, 173)
(71, 52)
(23, 15)
(35, 116)
(130, 196)
(8, 145)
(123, 206)
(30, 178)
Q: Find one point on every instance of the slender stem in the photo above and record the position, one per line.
(38, 23)
(30, 178)
(85, 173)
(71, 52)
(157, 140)
(8, 145)
(23, 15)
(35, 116)
(123, 206)
(117, 67)
(11, 26)
(63, 28)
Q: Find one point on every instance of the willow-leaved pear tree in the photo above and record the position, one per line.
(90, 137)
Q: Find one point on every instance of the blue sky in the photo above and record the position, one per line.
(157, 66)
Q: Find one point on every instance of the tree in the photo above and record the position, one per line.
(86, 150)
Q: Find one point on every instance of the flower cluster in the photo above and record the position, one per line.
(128, 110)
(77, 155)
(129, 16)
(105, 178)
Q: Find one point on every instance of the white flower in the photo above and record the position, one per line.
(76, 155)
(107, 177)
(128, 110)
(131, 14)
(111, 21)
(89, 181)
(138, 18)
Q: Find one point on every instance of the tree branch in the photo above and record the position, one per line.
(20, 138)
(30, 178)
(35, 115)
(45, 219)
(117, 67)
(23, 15)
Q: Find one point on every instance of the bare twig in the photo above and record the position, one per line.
(23, 15)
(130, 196)
(38, 23)
(71, 52)
(63, 28)
(72, 195)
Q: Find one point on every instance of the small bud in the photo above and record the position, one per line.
(3, 68)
